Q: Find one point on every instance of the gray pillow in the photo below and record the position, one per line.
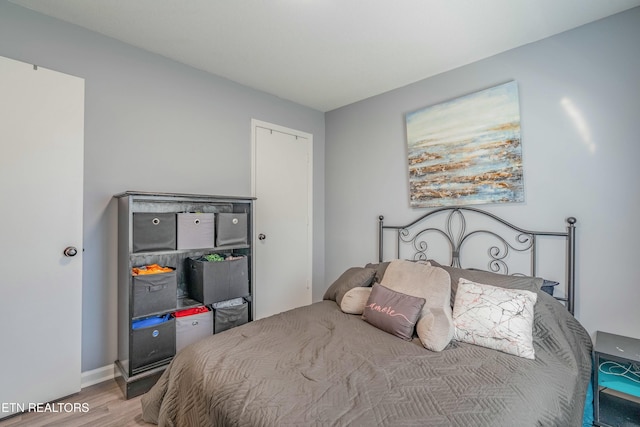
(393, 312)
(380, 269)
(526, 283)
(352, 278)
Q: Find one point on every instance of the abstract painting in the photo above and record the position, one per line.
(466, 151)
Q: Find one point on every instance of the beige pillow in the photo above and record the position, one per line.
(353, 301)
(420, 279)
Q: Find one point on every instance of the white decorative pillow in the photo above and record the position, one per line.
(354, 300)
(493, 317)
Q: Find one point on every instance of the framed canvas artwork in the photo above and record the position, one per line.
(466, 151)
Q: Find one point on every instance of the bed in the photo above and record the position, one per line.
(319, 365)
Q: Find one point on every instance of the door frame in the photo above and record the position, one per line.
(255, 124)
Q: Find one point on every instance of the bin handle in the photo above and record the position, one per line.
(156, 288)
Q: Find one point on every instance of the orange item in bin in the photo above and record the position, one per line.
(150, 269)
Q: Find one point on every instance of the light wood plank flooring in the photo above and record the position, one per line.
(107, 408)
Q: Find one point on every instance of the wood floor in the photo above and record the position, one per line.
(106, 408)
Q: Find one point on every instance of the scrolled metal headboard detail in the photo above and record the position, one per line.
(455, 232)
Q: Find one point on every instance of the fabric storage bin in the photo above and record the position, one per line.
(195, 230)
(154, 231)
(192, 328)
(152, 344)
(229, 314)
(215, 281)
(154, 292)
(231, 229)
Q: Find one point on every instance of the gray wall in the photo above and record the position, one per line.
(197, 128)
(585, 167)
(151, 124)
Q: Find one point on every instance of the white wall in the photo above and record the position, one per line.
(151, 124)
(580, 163)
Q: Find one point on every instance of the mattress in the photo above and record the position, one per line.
(318, 366)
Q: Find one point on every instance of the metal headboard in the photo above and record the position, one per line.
(415, 235)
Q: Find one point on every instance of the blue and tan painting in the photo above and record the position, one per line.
(467, 151)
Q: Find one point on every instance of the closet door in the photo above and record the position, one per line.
(282, 185)
(41, 185)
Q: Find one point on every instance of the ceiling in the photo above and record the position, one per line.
(325, 54)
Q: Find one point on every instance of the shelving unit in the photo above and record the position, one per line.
(140, 360)
(616, 396)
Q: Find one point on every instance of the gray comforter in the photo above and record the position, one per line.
(317, 366)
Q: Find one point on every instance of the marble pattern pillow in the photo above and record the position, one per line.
(495, 317)
(393, 312)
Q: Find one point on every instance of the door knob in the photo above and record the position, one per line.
(70, 251)
(261, 236)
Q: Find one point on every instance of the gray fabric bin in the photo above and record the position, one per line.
(153, 344)
(190, 329)
(231, 229)
(216, 281)
(229, 317)
(195, 230)
(154, 231)
(153, 293)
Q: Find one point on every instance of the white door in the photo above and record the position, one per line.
(41, 174)
(282, 174)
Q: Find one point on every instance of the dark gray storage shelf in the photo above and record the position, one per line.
(189, 251)
(139, 363)
(184, 303)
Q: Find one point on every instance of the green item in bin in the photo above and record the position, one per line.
(213, 257)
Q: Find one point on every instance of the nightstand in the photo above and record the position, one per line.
(616, 397)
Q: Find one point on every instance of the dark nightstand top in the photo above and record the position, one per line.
(618, 345)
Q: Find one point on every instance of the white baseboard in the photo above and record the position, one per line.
(98, 375)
